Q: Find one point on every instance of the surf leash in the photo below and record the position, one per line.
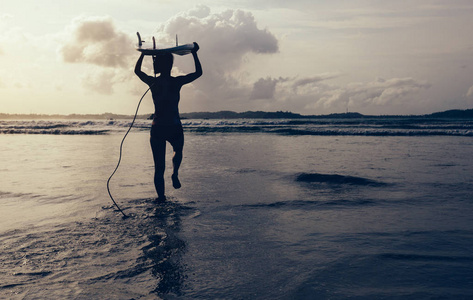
(121, 151)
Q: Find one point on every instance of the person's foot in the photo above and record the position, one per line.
(160, 199)
(175, 181)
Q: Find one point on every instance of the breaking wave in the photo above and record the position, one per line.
(335, 127)
(326, 127)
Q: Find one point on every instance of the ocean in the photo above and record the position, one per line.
(369, 208)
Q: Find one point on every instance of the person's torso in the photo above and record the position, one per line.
(166, 95)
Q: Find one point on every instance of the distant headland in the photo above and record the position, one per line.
(449, 114)
(456, 114)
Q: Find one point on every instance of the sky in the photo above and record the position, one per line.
(305, 56)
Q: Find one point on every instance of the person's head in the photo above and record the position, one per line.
(163, 63)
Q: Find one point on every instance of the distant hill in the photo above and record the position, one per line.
(348, 115)
(242, 115)
(454, 114)
(449, 114)
(262, 115)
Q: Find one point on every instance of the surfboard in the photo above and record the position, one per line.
(151, 49)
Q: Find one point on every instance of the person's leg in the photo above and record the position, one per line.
(158, 146)
(177, 145)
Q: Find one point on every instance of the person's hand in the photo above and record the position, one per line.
(196, 48)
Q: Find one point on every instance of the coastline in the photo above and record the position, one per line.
(448, 114)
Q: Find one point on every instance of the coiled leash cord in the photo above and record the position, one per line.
(120, 157)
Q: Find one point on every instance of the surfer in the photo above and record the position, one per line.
(166, 124)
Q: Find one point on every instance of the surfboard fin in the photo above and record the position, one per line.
(140, 42)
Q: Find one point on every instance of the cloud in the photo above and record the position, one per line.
(312, 80)
(200, 11)
(5, 17)
(380, 92)
(229, 34)
(225, 38)
(95, 40)
(264, 88)
(316, 95)
(101, 80)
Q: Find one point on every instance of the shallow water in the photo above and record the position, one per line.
(260, 216)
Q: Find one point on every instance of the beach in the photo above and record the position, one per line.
(269, 209)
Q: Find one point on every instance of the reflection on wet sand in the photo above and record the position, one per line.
(165, 249)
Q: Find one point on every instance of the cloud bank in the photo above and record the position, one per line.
(393, 92)
(315, 94)
(226, 39)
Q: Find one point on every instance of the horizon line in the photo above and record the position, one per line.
(235, 113)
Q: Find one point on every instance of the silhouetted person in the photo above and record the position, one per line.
(167, 122)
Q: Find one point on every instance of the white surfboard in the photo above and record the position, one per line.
(151, 49)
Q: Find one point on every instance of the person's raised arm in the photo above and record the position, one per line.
(198, 67)
(142, 75)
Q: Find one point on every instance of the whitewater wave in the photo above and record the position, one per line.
(327, 127)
